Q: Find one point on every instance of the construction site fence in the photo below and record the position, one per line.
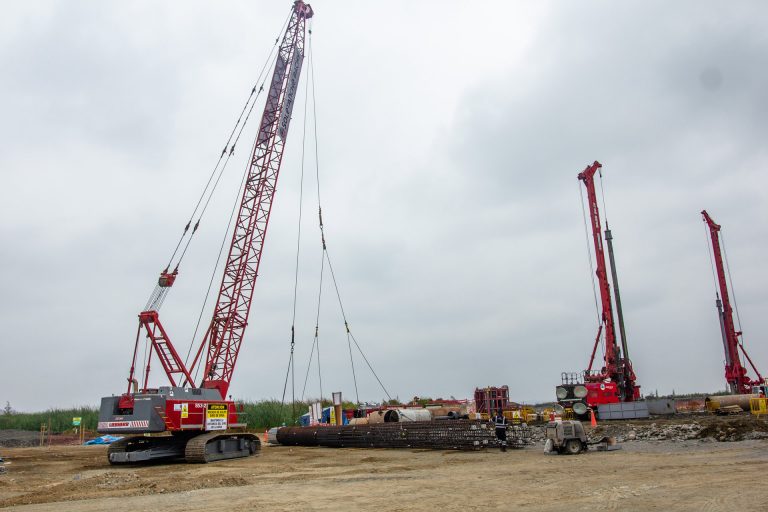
(440, 435)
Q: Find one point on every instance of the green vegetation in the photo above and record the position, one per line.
(271, 413)
(259, 416)
(60, 419)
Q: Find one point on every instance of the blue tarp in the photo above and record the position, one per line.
(104, 440)
(304, 419)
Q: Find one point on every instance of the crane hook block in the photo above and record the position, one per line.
(166, 279)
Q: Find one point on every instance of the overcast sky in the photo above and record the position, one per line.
(449, 136)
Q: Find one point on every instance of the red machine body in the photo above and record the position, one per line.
(615, 381)
(735, 372)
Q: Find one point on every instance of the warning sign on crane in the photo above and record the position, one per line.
(216, 417)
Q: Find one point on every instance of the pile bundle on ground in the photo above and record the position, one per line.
(441, 435)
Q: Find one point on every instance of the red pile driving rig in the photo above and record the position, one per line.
(735, 372)
(615, 381)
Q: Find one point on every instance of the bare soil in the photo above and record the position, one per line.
(693, 474)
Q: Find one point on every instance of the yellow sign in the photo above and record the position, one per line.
(76, 421)
(216, 417)
(185, 410)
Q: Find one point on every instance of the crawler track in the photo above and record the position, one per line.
(213, 446)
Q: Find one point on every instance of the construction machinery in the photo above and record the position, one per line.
(194, 420)
(569, 438)
(735, 372)
(615, 381)
(565, 437)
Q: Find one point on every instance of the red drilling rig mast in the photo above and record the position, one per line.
(735, 372)
(197, 415)
(615, 381)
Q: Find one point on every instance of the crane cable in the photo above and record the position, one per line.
(589, 255)
(605, 214)
(262, 78)
(326, 257)
(159, 293)
(708, 241)
(291, 364)
(316, 340)
(733, 291)
(602, 194)
(707, 236)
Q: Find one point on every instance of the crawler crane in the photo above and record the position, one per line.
(194, 419)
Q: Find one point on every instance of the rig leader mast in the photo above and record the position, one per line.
(735, 372)
(198, 415)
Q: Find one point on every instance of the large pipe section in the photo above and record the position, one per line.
(399, 415)
(717, 401)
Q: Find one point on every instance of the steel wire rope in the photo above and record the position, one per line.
(229, 139)
(605, 214)
(733, 291)
(707, 239)
(322, 229)
(221, 171)
(589, 255)
(291, 365)
(213, 274)
(326, 256)
(229, 224)
(146, 360)
(602, 194)
(316, 340)
(226, 232)
(591, 266)
(157, 297)
(330, 265)
(707, 236)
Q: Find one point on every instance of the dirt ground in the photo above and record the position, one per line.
(692, 475)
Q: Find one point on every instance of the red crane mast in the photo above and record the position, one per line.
(615, 381)
(735, 372)
(186, 410)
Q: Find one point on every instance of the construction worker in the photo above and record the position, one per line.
(500, 422)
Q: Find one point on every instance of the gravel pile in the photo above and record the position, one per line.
(19, 438)
(707, 429)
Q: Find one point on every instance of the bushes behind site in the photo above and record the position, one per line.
(259, 415)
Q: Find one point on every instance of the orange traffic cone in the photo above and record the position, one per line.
(592, 420)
